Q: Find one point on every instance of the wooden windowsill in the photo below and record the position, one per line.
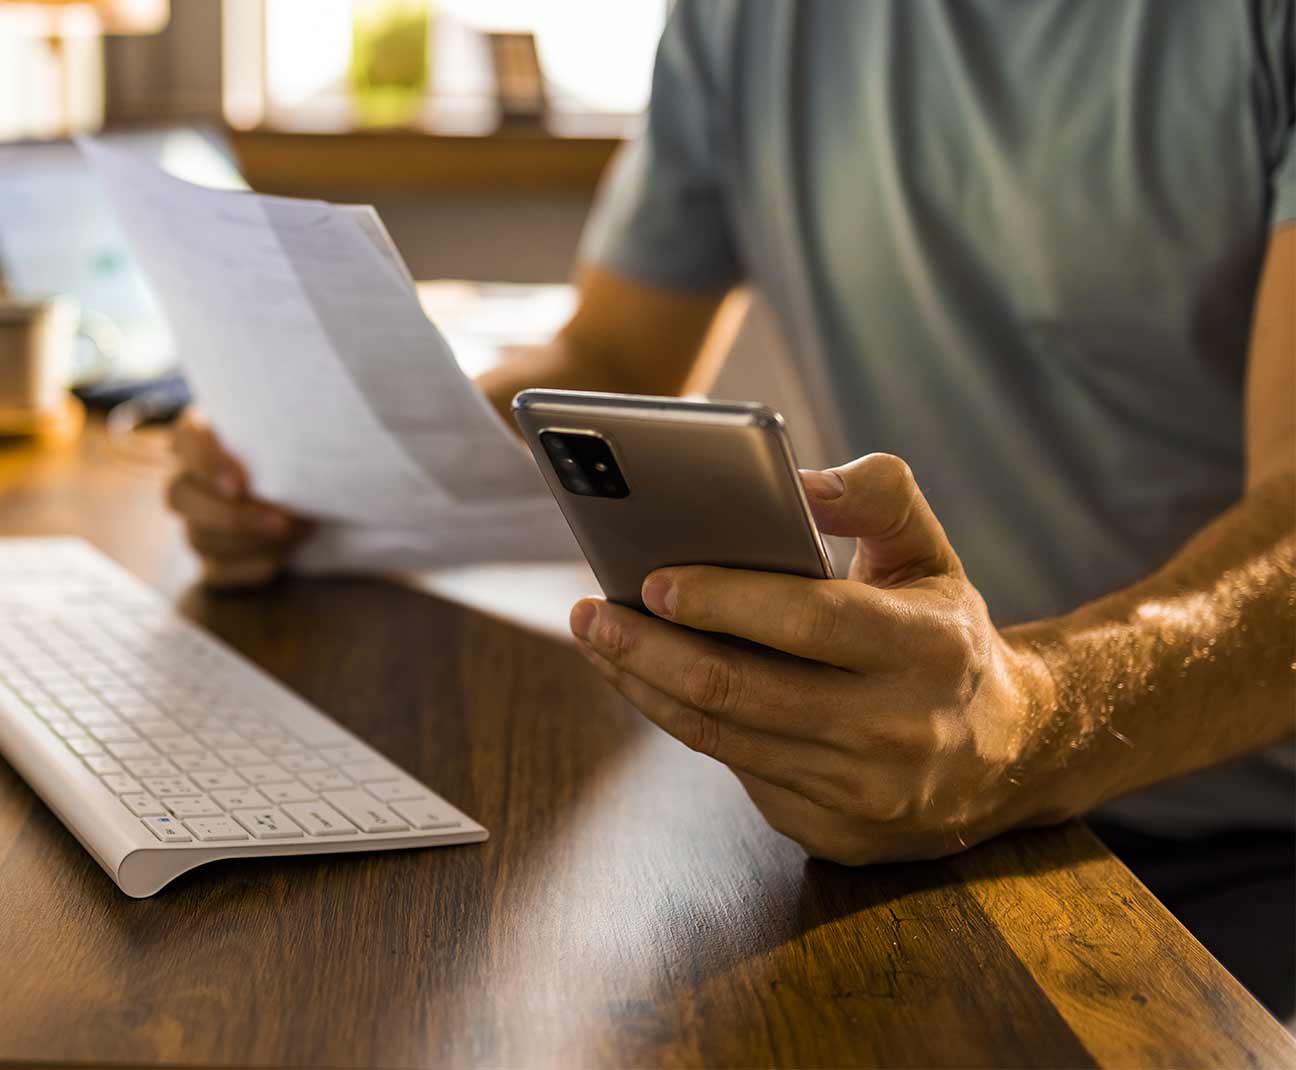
(315, 161)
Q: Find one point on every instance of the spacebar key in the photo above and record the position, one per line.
(367, 814)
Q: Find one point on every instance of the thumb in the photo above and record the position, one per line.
(876, 501)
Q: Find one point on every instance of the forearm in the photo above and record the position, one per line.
(624, 336)
(1189, 668)
(557, 365)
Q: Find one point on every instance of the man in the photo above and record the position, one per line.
(1040, 251)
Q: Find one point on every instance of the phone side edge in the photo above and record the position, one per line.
(779, 431)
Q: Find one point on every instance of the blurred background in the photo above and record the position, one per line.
(479, 129)
(383, 101)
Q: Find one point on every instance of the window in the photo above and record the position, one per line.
(287, 62)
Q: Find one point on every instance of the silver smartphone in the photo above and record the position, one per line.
(647, 482)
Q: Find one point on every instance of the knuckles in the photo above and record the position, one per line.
(890, 472)
(712, 683)
(698, 731)
(818, 618)
(615, 638)
(892, 479)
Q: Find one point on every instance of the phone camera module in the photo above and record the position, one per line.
(584, 464)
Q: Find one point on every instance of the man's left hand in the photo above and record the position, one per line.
(874, 718)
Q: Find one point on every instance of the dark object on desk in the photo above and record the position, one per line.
(158, 400)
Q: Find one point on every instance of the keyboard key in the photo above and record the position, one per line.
(319, 819)
(268, 824)
(239, 798)
(120, 693)
(329, 778)
(192, 806)
(241, 756)
(202, 762)
(149, 767)
(84, 745)
(101, 763)
(67, 695)
(66, 729)
(135, 708)
(291, 792)
(157, 729)
(138, 711)
(361, 772)
(425, 813)
(345, 755)
(88, 713)
(136, 748)
(121, 784)
(263, 774)
(302, 763)
(167, 829)
(170, 785)
(179, 745)
(363, 811)
(208, 829)
(394, 790)
(116, 732)
(274, 747)
(142, 805)
(224, 778)
(222, 738)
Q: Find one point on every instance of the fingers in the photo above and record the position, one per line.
(877, 501)
(242, 542)
(744, 688)
(203, 457)
(780, 761)
(240, 572)
(836, 622)
(205, 510)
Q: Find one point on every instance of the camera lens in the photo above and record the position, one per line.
(584, 463)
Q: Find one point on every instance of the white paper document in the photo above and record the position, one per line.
(299, 331)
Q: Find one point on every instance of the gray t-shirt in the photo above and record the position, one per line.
(1015, 242)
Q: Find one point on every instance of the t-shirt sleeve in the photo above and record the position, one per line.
(1282, 67)
(1282, 210)
(660, 216)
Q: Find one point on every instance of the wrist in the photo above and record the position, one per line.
(1048, 775)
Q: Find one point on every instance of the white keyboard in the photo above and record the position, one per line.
(161, 749)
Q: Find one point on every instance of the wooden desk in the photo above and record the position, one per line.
(629, 909)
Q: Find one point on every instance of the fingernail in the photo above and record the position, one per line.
(227, 485)
(659, 595)
(582, 619)
(825, 485)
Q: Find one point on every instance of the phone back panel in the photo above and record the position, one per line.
(711, 484)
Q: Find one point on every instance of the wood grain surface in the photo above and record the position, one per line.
(630, 908)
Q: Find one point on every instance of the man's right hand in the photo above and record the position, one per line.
(241, 542)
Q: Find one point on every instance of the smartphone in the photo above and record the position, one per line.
(646, 482)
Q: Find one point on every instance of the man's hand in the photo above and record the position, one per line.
(242, 542)
(881, 717)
